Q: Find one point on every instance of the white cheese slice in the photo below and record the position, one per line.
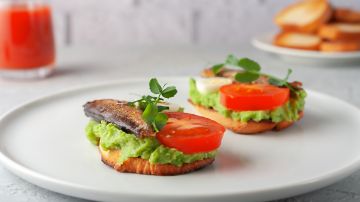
(210, 85)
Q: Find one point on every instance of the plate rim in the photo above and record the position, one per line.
(38, 178)
(261, 43)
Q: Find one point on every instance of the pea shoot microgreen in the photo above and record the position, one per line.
(251, 71)
(152, 112)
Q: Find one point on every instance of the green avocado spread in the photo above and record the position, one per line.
(108, 136)
(287, 112)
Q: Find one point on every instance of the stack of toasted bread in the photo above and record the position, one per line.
(317, 25)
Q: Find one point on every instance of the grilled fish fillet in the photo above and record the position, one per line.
(230, 73)
(121, 114)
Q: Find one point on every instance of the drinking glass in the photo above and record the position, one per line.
(27, 47)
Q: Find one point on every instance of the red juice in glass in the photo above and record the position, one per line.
(26, 39)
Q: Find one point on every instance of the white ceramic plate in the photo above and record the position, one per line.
(264, 43)
(44, 142)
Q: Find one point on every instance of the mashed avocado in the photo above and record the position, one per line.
(288, 112)
(108, 136)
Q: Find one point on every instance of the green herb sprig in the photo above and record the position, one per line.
(152, 112)
(251, 71)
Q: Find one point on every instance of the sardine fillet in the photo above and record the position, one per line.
(117, 112)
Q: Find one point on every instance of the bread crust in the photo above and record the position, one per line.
(313, 25)
(142, 166)
(346, 15)
(340, 46)
(334, 32)
(282, 40)
(250, 127)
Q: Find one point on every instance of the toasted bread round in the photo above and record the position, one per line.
(141, 166)
(298, 41)
(250, 127)
(340, 31)
(304, 16)
(346, 15)
(340, 46)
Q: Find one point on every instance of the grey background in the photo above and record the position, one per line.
(149, 22)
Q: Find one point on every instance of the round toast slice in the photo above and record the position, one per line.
(340, 31)
(340, 46)
(298, 41)
(250, 127)
(346, 15)
(305, 16)
(142, 166)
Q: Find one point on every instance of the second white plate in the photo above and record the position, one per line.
(264, 43)
(44, 142)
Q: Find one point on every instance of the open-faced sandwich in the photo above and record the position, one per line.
(150, 136)
(246, 100)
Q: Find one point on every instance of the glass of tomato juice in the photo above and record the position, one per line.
(27, 47)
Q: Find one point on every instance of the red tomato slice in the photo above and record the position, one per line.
(252, 97)
(190, 133)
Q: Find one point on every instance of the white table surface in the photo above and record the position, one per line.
(78, 66)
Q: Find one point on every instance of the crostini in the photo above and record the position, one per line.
(148, 137)
(298, 41)
(315, 25)
(346, 15)
(340, 31)
(247, 101)
(305, 16)
(340, 46)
